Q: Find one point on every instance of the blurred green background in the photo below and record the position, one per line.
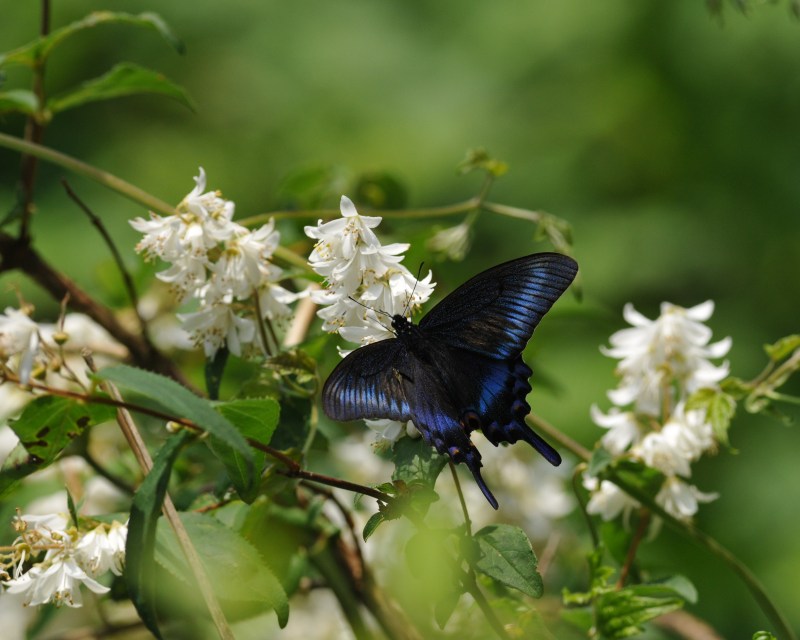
(668, 137)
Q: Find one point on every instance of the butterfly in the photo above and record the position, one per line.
(460, 369)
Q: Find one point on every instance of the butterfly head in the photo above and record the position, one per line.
(402, 325)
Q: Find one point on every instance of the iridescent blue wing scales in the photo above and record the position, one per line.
(367, 384)
(494, 313)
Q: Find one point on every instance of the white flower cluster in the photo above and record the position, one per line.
(49, 353)
(363, 278)
(71, 558)
(224, 266)
(662, 362)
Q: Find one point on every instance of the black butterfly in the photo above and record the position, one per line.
(461, 368)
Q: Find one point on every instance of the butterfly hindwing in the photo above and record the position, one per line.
(495, 312)
(436, 415)
(493, 399)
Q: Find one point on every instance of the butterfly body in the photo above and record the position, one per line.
(461, 368)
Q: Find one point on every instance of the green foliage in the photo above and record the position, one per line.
(139, 547)
(506, 555)
(38, 50)
(47, 425)
(480, 160)
(255, 419)
(720, 407)
(763, 635)
(20, 101)
(620, 612)
(416, 463)
(242, 580)
(124, 79)
(178, 401)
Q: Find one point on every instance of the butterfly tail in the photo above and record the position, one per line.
(473, 462)
(537, 442)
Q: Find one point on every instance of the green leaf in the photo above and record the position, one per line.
(763, 635)
(507, 556)
(254, 418)
(39, 49)
(181, 403)
(444, 607)
(480, 160)
(620, 613)
(600, 459)
(125, 79)
(214, 369)
(720, 408)
(416, 462)
(139, 547)
(47, 425)
(237, 571)
(20, 101)
(374, 521)
(783, 347)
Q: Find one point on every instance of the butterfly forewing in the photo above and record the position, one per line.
(495, 313)
(368, 384)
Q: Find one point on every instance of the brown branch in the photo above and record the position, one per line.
(19, 254)
(34, 132)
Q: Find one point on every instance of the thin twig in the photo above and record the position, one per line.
(123, 271)
(471, 586)
(463, 502)
(34, 133)
(638, 536)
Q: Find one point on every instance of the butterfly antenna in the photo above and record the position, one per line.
(375, 311)
(414, 288)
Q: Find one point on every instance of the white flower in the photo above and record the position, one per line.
(184, 239)
(690, 431)
(57, 581)
(654, 352)
(660, 450)
(681, 499)
(364, 278)
(623, 428)
(453, 242)
(217, 324)
(607, 499)
(103, 549)
(392, 430)
(19, 336)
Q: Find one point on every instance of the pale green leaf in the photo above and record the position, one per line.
(19, 101)
(125, 79)
(237, 571)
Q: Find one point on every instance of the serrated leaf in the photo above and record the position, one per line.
(416, 462)
(179, 402)
(237, 571)
(372, 524)
(19, 101)
(47, 425)
(125, 79)
(783, 347)
(254, 418)
(39, 49)
(621, 613)
(139, 546)
(507, 556)
(720, 408)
